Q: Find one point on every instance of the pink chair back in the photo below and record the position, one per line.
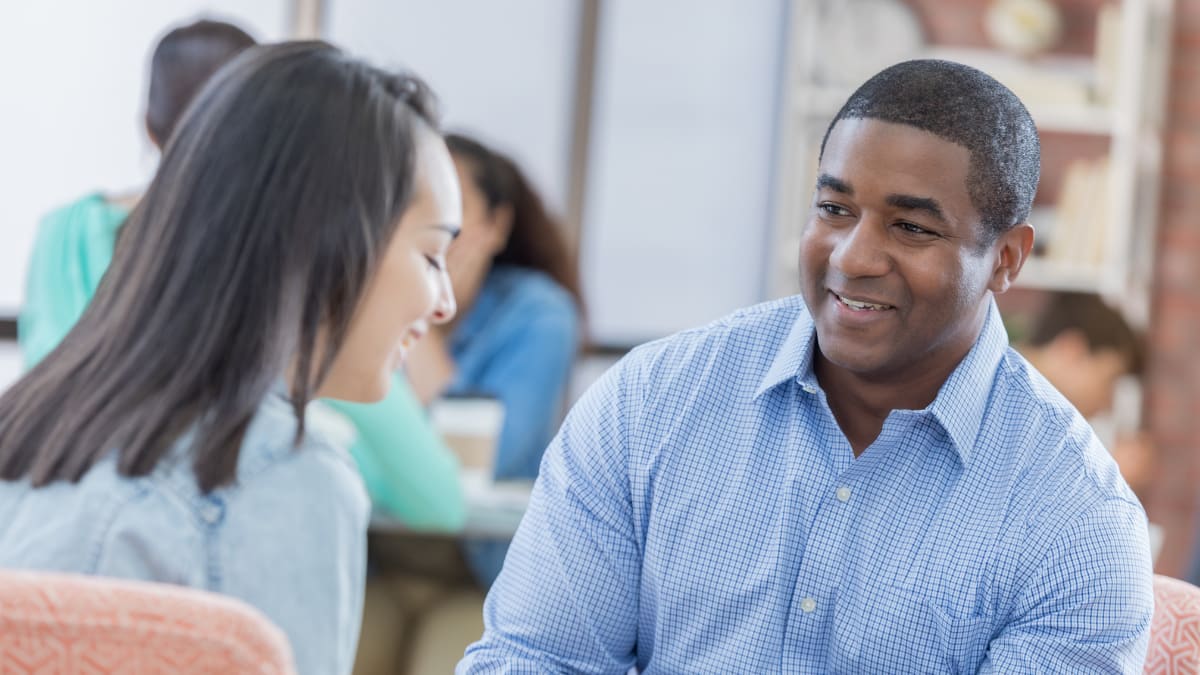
(67, 624)
(1175, 629)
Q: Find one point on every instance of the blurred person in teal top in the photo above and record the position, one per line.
(517, 287)
(409, 472)
(75, 243)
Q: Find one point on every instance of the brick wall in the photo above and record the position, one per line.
(1173, 380)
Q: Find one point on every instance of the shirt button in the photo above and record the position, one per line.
(843, 494)
(808, 388)
(807, 605)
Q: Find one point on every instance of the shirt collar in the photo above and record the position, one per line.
(959, 405)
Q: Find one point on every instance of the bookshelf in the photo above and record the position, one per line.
(1097, 233)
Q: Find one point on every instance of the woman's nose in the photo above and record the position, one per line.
(446, 306)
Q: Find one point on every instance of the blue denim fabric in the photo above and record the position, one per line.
(288, 537)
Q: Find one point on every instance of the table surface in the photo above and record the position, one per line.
(494, 509)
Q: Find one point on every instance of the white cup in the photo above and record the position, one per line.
(470, 426)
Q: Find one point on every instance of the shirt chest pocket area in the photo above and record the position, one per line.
(880, 630)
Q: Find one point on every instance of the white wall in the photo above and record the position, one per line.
(679, 186)
(503, 70)
(678, 192)
(74, 73)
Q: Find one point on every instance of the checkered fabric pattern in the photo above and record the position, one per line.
(700, 511)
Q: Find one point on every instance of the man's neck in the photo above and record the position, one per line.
(862, 404)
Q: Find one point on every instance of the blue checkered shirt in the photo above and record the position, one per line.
(700, 511)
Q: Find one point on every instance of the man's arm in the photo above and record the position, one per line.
(567, 599)
(1086, 608)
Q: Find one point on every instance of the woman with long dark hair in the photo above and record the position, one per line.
(409, 473)
(517, 286)
(291, 246)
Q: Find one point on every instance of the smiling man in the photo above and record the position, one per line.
(862, 479)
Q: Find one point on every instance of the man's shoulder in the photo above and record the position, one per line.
(1026, 400)
(755, 330)
(1052, 453)
(720, 364)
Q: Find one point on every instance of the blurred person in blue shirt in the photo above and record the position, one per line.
(864, 478)
(518, 332)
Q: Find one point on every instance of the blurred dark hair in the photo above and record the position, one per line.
(537, 240)
(270, 209)
(183, 61)
(1100, 325)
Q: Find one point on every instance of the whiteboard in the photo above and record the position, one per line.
(74, 74)
(503, 71)
(679, 204)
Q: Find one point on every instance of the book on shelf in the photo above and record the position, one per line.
(1079, 235)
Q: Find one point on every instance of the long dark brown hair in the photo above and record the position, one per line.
(274, 199)
(537, 240)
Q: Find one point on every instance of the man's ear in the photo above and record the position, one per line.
(1012, 250)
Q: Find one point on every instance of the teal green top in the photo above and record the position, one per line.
(409, 472)
(73, 248)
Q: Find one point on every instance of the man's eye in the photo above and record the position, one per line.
(914, 229)
(833, 209)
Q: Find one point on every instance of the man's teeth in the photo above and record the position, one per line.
(854, 304)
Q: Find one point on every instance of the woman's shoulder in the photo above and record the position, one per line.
(271, 439)
(272, 462)
(317, 464)
(93, 210)
(527, 290)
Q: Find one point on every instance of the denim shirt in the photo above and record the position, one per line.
(517, 343)
(288, 536)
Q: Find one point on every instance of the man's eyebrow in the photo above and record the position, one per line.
(825, 181)
(913, 203)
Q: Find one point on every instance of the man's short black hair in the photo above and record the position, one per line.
(968, 107)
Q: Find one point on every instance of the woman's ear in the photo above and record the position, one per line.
(1013, 249)
(500, 221)
(150, 132)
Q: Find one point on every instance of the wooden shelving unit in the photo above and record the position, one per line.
(1130, 117)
